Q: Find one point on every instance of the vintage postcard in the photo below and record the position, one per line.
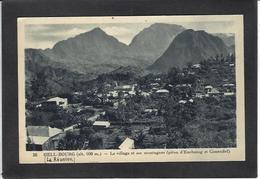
(131, 89)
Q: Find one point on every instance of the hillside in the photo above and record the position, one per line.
(46, 78)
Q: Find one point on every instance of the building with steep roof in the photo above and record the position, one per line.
(38, 135)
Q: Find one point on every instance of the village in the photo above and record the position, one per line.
(144, 112)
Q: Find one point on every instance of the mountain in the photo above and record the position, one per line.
(151, 42)
(228, 39)
(189, 46)
(95, 52)
(92, 52)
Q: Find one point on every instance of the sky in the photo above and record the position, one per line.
(46, 35)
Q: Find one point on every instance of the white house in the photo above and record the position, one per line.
(112, 94)
(196, 66)
(228, 85)
(208, 88)
(155, 84)
(182, 102)
(145, 94)
(214, 91)
(78, 93)
(229, 94)
(127, 144)
(162, 91)
(101, 124)
(125, 88)
(63, 102)
(183, 85)
(148, 110)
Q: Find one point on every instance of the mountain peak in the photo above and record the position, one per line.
(97, 29)
(189, 46)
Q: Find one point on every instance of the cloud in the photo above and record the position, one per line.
(64, 34)
(45, 36)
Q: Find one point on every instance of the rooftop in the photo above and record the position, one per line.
(162, 91)
(127, 144)
(102, 123)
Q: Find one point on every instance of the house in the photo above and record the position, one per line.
(78, 93)
(38, 135)
(214, 91)
(182, 102)
(162, 91)
(229, 94)
(125, 88)
(183, 85)
(211, 91)
(154, 84)
(99, 95)
(151, 111)
(101, 124)
(229, 87)
(62, 102)
(199, 94)
(127, 144)
(191, 73)
(195, 66)
(170, 85)
(113, 94)
(145, 94)
(208, 88)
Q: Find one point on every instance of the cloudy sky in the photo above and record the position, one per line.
(46, 35)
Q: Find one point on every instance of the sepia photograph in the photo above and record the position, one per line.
(131, 83)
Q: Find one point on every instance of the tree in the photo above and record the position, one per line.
(96, 141)
(174, 76)
(39, 86)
